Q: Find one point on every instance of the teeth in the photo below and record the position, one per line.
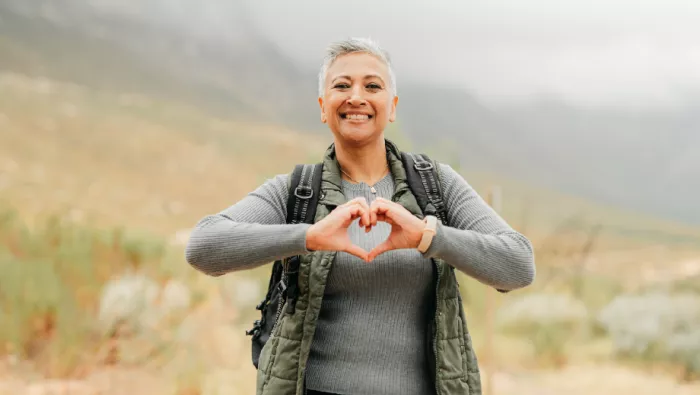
(359, 117)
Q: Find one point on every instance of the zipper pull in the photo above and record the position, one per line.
(374, 191)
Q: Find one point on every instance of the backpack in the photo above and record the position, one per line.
(304, 191)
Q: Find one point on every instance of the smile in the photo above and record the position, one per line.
(356, 117)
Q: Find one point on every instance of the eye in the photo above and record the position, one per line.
(373, 86)
(341, 85)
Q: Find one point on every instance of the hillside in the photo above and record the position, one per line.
(126, 160)
(213, 58)
(155, 165)
(229, 70)
(238, 74)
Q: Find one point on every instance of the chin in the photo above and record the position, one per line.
(359, 137)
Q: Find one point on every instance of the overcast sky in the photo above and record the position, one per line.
(632, 53)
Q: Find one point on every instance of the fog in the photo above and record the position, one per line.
(592, 97)
(595, 53)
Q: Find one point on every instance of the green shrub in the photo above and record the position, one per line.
(548, 321)
(52, 278)
(656, 327)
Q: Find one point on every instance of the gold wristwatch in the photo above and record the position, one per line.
(428, 233)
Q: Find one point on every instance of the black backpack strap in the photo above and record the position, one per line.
(304, 194)
(304, 190)
(424, 181)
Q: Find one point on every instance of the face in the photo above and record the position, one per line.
(357, 103)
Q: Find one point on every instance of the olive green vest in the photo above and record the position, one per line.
(282, 366)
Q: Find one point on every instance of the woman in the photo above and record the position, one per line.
(387, 319)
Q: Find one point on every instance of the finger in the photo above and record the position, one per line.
(358, 200)
(379, 205)
(357, 251)
(380, 249)
(362, 202)
(356, 212)
(348, 214)
(380, 199)
(385, 219)
(393, 211)
(379, 209)
(365, 221)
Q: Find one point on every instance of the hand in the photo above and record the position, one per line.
(331, 233)
(406, 229)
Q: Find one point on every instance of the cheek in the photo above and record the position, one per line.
(383, 110)
(332, 106)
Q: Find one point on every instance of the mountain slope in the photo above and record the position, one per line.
(210, 57)
(239, 74)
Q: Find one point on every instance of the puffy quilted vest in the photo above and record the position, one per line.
(282, 365)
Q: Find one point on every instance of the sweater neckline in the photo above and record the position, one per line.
(363, 186)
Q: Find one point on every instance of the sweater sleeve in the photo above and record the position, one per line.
(478, 241)
(248, 234)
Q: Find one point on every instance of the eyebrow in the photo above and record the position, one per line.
(366, 77)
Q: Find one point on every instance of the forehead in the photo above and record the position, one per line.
(357, 65)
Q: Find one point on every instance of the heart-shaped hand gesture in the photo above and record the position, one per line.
(406, 229)
(331, 233)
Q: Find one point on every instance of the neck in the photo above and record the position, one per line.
(365, 163)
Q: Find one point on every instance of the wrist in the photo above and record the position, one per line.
(428, 233)
(311, 238)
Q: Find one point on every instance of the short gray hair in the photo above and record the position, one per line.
(353, 45)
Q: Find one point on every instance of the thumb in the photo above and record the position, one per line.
(380, 249)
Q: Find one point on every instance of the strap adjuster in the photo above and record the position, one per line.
(423, 166)
(304, 192)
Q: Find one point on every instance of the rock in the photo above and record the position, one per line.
(139, 303)
(241, 291)
(176, 296)
(127, 300)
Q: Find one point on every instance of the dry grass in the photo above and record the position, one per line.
(128, 161)
(52, 277)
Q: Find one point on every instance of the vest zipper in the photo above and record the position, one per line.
(435, 323)
(280, 305)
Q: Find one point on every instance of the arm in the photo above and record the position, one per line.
(248, 234)
(478, 241)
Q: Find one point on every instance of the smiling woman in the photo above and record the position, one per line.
(378, 309)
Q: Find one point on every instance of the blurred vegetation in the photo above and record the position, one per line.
(52, 279)
(550, 321)
(656, 327)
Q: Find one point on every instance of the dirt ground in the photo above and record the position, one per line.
(574, 380)
(225, 369)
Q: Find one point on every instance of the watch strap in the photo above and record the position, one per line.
(428, 233)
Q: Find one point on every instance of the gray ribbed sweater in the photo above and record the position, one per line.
(370, 337)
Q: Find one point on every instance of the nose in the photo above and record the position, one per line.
(356, 98)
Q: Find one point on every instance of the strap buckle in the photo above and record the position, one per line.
(423, 166)
(282, 286)
(304, 192)
(257, 326)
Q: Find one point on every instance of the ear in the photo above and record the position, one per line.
(392, 115)
(323, 113)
